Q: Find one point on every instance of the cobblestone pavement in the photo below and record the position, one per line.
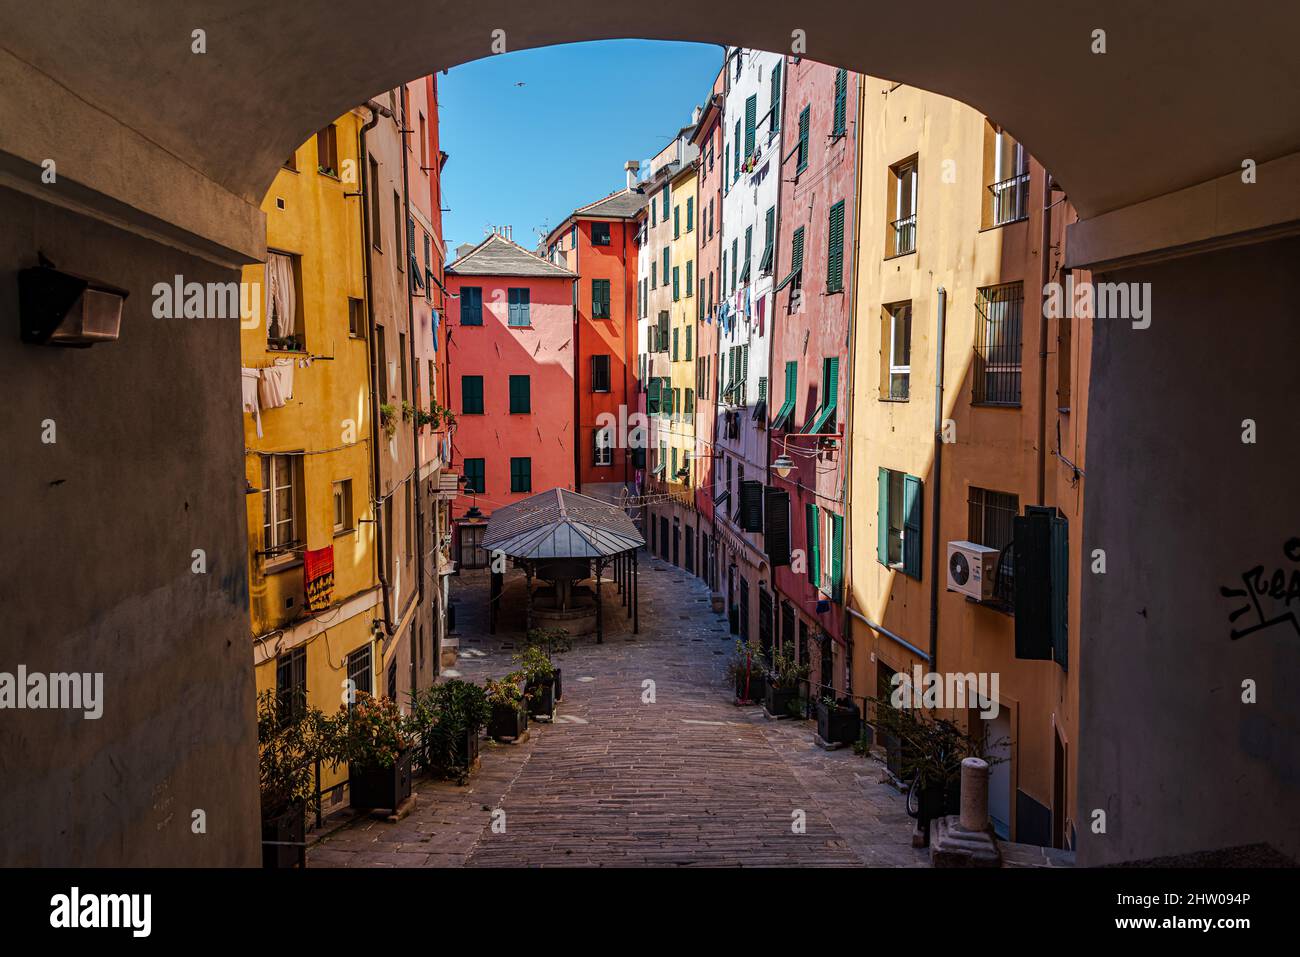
(620, 780)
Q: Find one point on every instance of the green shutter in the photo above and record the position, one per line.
(882, 518)
(835, 254)
(841, 100)
(776, 98)
(814, 545)
(803, 141)
(665, 264)
(677, 221)
(690, 213)
(736, 162)
(913, 508)
(652, 397)
(751, 116)
(837, 557)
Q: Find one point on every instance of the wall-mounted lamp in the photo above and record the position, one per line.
(60, 309)
(783, 465)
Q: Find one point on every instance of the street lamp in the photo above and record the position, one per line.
(783, 465)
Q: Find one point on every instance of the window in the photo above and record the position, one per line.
(284, 325)
(785, 414)
(291, 684)
(838, 120)
(665, 271)
(710, 219)
(343, 506)
(774, 97)
(397, 228)
(382, 338)
(471, 395)
(677, 222)
(663, 331)
(600, 299)
(803, 142)
(824, 420)
(281, 504)
(899, 507)
(291, 162)
(424, 142)
(356, 317)
(751, 117)
(665, 201)
(360, 670)
(992, 524)
(376, 231)
(518, 306)
(735, 164)
(749, 248)
(997, 344)
(521, 475)
(600, 234)
(812, 532)
(654, 276)
(735, 262)
(520, 394)
(769, 241)
(897, 335)
(409, 486)
(676, 283)
(794, 278)
(835, 252)
(1008, 199)
(602, 447)
(475, 481)
(689, 331)
(600, 373)
(690, 277)
(902, 230)
(327, 152)
(675, 357)
(471, 306)
(401, 363)
(690, 213)
(689, 408)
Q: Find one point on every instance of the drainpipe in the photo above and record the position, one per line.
(1042, 338)
(367, 188)
(941, 321)
(415, 429)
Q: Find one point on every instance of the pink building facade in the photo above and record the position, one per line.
(809, 379)
(510, 376)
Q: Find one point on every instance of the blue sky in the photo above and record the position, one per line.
(527, 156)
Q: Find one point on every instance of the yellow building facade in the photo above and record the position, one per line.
(948, 200)
(308, 434)
(679, 429)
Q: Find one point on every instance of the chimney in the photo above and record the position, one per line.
(633, 167)
(462, 249)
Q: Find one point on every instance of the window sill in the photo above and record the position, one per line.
(887, 398)
(329, 175)
(911, 252)
(287, 565)
(343, 532)
(1009, 222)
(993, 604)
(529, 326)
(995, 405)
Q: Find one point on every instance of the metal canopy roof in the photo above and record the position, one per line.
(561, 524)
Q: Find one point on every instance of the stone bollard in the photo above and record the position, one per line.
(974, 795)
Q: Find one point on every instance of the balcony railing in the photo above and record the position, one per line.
(1010, 199)
(904, 235)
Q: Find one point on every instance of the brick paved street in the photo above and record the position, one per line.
(689, 779)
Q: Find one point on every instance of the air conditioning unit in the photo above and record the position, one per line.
(972, 569)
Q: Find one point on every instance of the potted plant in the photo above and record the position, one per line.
(388, 419)
(508, 720)
(552, 641)
(450, 718)
(379, 750)
(746, 672)
(783, 679)
(291, 738)
(838, 722)
(539, 681)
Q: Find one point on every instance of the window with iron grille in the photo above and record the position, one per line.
(360, 671)
(1009, 189)
(997, 344)
(291, 684)
(992, 524)
(903, 227)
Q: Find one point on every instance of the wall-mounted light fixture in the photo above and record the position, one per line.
(61, 309)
